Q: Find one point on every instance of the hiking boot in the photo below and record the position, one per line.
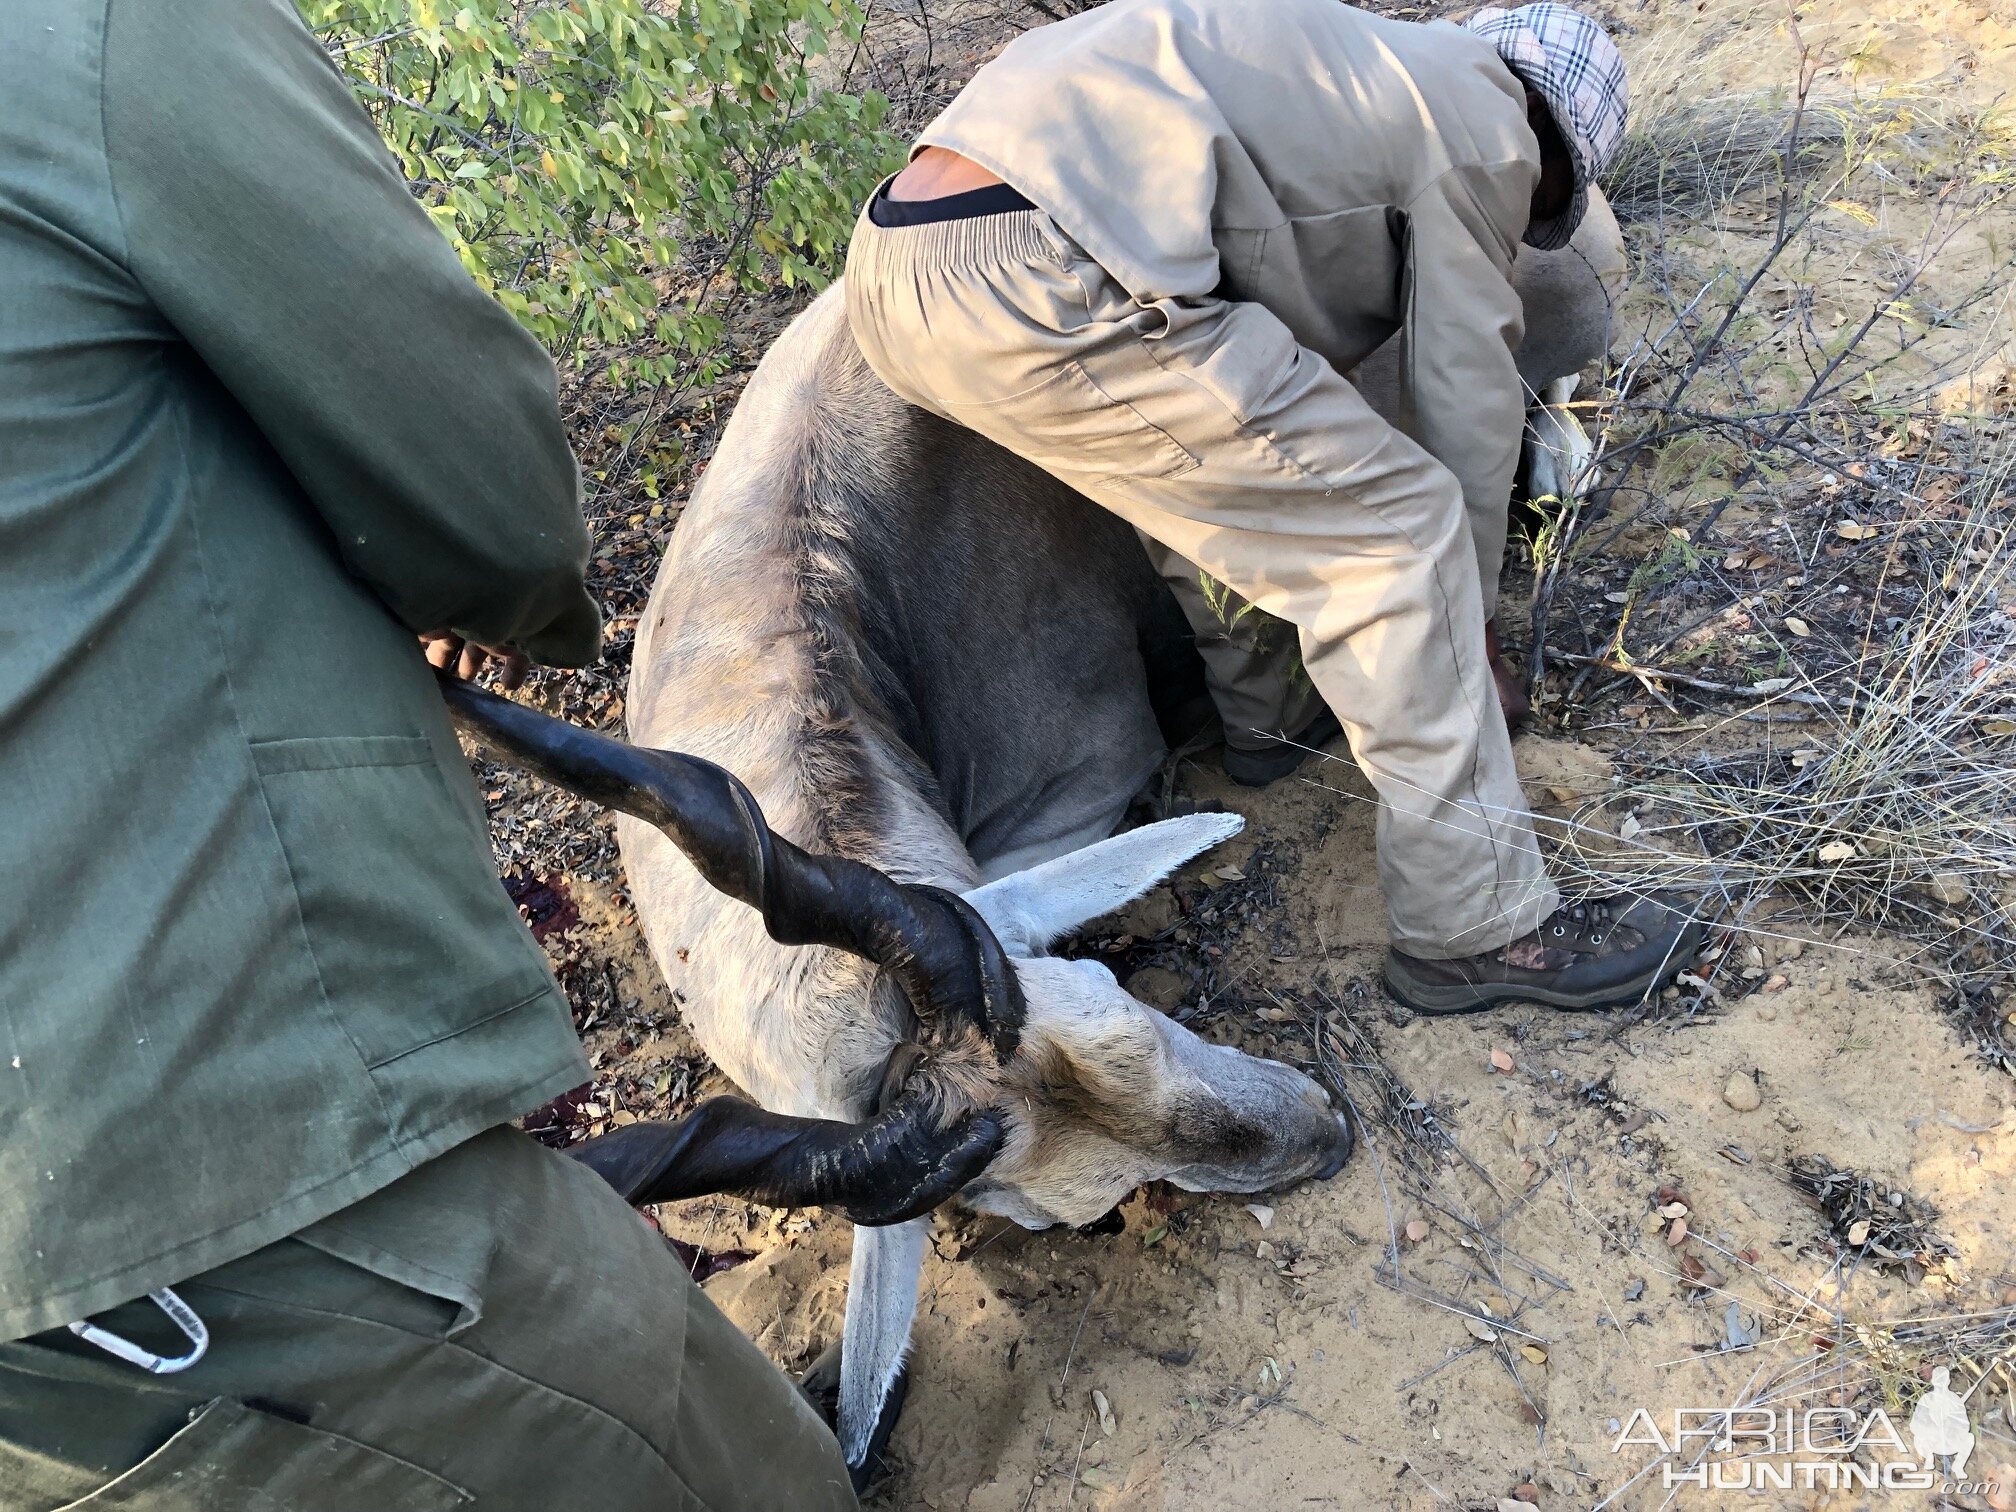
(1597, 953)
(1272, 763)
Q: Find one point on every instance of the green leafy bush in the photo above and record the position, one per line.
(614, 169)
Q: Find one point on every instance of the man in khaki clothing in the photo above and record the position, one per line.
(1140, 250)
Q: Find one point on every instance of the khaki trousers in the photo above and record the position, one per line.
(1207, 427)
(495, 1330)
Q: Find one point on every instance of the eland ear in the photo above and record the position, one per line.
(1030, 908)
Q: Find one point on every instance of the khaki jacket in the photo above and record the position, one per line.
(1356, 176)
(257, 427)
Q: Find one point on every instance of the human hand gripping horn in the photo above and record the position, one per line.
(937, 949)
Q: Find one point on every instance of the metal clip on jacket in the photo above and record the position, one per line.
(184, 1318)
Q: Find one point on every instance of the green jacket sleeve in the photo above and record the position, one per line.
(272, 229)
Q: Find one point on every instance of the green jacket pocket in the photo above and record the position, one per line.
(234, 1458)
(389, 906)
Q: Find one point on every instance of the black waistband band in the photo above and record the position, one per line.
(995, 199)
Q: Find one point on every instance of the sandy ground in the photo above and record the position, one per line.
(1199, 1353)
(1259, 1367)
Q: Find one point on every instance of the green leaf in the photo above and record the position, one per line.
(568, 148)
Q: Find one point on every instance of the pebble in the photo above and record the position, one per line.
(1949, 888)
(1741, 1093)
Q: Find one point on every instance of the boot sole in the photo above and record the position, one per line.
(1438, 1000)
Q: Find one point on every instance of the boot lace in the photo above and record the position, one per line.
(1594, 916)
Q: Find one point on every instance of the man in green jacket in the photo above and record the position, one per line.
(264, 1010)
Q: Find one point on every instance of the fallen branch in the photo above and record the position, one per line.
(1773, 688)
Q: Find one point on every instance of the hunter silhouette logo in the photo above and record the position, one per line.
(1939, 1425)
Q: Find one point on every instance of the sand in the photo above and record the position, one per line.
(1298, 1379)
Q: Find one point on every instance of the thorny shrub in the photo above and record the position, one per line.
(611, 169)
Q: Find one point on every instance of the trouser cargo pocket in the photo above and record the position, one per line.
(235, 1458)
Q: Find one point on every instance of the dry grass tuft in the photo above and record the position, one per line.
(1800, 529)
(1893, 807)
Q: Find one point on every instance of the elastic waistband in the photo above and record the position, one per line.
(1015, 236)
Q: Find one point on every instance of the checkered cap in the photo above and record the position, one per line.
(1571, 63)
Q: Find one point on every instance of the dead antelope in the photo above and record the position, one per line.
(926, 656)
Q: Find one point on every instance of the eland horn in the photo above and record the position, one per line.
(939, 951)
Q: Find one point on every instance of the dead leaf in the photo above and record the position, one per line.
(1502, 1062)
(1480, 1330)
(1633, 1122)
(1634, 1289)
(1678, 1233)
(1858, 1232)
(1628, 830)
(1417, 1230)
(1838, 850)
(1849, 530)
(1673, 1210)
(1534, 1353)
(1798, 626)
(1231, 874)
(1262, 1214)
(1105, 1410)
